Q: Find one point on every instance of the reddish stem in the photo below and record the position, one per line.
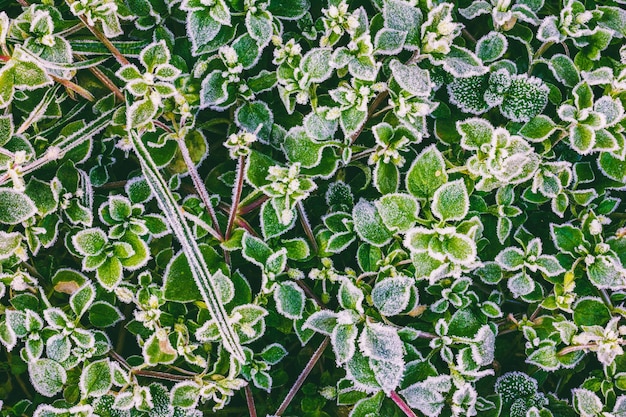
(401, 404)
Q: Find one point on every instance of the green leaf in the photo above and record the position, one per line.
(158, 350)
(491, 46)
(582, 138)
(109, 274)
(590, 311)
(369, 225)
(201, 29)
(564, 70)
(299, 147)
(154, 54)
(545, 358)
(140, 113)
(297, 248)
(255, 117)
(398, 211)
(9, 243)
(475, 133)
(47, 376)
(15, 206)
(81, 300)
(538, 128)
(90, 242)
(403, 17)
(368, 407)
(185, 394)
(255, 250)
(411, 78)
(214, 90)
(102, 314)
(96, 379)
(271, 226)
(386, 177)
(427, 173)
(567, 238)
(289, 300)
(178, 282)
(289, 9)
(273, 353)
(460, 249)
(6, 129)
(391, 296)
(316, 63)
(259, 27)
(614, 168)
(451, 201)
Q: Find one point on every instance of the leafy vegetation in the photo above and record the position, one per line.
(286, 207)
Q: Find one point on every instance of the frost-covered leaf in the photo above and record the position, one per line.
(398, 211)
(47, 376)
(525, 98)
(185, 394)
(96, 379)
(427, 173)
(9, 243)
(82, 299)
(273, 353)
(403, 17)
(369, 225)
(389, 41)
(343, 340)
(255, 117)
(259, 27)
(538, 128)
(491, 46)
(564, 70)
(567, 238)
(451, 201)
(545, 358)
(368, 407)
(103, 314)
(381, 342)
(289, 300)
(586, 402)
(15, 206)
(411, 78)
(316, 63)
(391, 296)
(427, 396)
(475, 133)
(322, 322)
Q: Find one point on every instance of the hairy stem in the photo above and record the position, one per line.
(106, 42)
(199, 185)
(302, 377)
(307, 226)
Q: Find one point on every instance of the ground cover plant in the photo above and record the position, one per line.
(312, 208)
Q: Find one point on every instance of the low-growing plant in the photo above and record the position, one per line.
(290, 207)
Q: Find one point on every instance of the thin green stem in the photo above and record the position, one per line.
(304, 220)
(232, 215)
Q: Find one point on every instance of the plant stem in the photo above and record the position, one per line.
(307, 226)
(73, 87)
(402, 405)
(254, 205)
(199, 184)
(107, 82)
(106, 42)
(250, 401)
(305, 372)
(241, 164)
